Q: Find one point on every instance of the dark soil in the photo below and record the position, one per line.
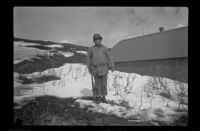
(50, 110)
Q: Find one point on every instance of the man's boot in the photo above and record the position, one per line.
(104, 99)
(97, 100)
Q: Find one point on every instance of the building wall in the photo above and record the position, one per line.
(175, 69)
(161, 45)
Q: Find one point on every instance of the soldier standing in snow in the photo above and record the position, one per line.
(99, 62)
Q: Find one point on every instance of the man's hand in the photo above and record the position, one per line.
(90, 71)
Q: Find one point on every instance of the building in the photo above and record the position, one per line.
(163, 54)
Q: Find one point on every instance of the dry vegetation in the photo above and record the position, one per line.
(43, 62)
(49, 110)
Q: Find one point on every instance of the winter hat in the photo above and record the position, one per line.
(97, 37)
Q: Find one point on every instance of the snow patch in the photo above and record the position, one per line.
(68, 54)
(102, 107)
(74, 82)
(52, 46)
(18, 61)
(21, 43)
(21, 60)
(131, 99)
(17, 82)
(82, 52)
(21, 52)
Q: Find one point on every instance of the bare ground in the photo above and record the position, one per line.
(50, 110)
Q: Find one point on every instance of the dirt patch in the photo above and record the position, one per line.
(49, 110)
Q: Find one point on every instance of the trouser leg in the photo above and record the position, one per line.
(104, 85)
(97, 85)
(101, 85)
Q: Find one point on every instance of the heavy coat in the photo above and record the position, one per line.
(99, 61)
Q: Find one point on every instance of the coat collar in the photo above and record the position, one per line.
(98, 46)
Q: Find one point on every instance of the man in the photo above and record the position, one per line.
(99, 62)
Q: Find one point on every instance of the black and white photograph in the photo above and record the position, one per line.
(100, 66)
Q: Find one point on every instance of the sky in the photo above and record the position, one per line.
(77, 25)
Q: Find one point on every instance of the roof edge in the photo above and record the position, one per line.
(155, 33)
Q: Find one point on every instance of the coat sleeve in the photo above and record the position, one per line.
(109, 58)
(89, 56)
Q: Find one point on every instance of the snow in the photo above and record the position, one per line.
(21, 52)
(21, 43)
(52, 46)
(68, 54)
(102, 107)
(76, 82)
(83, 52)
(17, 82)
(18, 61)
(143, 114)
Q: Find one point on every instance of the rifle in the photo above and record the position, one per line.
(93, 86)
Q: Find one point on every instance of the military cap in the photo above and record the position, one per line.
(97, 36)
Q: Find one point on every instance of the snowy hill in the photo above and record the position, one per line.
(132, 96)
(42, 44)
(75, 82)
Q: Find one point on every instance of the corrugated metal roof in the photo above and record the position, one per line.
(167, 44)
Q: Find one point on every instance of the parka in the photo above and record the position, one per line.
(99, 60)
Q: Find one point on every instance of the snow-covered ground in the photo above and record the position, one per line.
(134, 95)
(21, 52)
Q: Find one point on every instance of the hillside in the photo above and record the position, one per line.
(57, 90)
(66, 46)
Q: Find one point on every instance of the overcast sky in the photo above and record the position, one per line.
(78, 24)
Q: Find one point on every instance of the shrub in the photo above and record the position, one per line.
(42, 62)
(46, 78)
(124, 104)
(159, 112)
(25, 80)
(39, 47)
(166, 95)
